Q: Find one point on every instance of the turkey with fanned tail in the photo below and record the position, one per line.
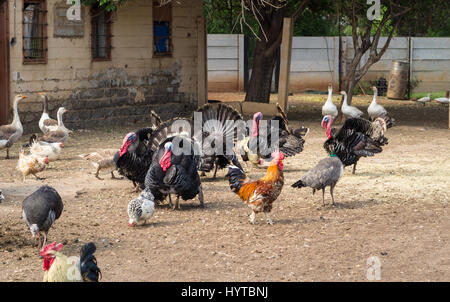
(218, 136)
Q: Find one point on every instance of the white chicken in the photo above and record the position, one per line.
(350, 111)
(329, 108)
(44, 149)
(29, 164)
(375, 110)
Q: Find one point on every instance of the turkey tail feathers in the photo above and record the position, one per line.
(88, 263)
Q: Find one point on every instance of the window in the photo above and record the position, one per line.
(101, 34)
(162, 19)
(34, 31)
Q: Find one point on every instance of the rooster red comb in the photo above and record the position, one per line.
(51, 247)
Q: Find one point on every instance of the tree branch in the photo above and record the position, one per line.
(299, 10)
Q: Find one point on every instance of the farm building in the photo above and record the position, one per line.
(105, 68)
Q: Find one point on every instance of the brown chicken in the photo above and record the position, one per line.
(29, 164)
(259, 194)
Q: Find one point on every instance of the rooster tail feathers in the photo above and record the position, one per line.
(88, 263)
(236, 177)
(299, 184)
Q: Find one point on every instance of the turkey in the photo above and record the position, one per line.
(135, 156)
(329, 108)
(40, 210)
(350, 111)
(218, 135)
(357, 137)
(9, 134)
(174, 167)
(141, 208)
(325, 174)
(425, 99)
(259, 146)
(60, 268)
(375, 110)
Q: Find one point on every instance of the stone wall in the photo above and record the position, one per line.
(123, 90)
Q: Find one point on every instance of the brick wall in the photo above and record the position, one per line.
(123, 90)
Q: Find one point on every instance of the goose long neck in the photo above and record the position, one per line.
(345, 100)
(45, 104)
(374, 100)
(60, 120)
(330, 98)
(16, 118)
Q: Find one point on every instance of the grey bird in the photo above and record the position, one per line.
(40, 210)
(1, 196)
(326, 173)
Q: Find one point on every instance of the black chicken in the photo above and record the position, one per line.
(356, 138)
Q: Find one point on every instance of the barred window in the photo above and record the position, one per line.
(101, 34)
(34, 31)
(162, 27)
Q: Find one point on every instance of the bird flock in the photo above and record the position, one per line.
(150, 158)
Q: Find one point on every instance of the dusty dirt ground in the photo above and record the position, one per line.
(396, 208)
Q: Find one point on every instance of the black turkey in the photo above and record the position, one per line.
(40, 210)
(219, 127)
(174, 166)
(356, 138)
(135, 156)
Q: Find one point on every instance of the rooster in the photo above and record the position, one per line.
(259, 194)
(29, 164)
(60, 268)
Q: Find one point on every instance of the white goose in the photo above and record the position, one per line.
(442, 100)
(45, 120)
(424, 99)
(375, 110)
(329, 108)
(350, 111)
(57, 133)
(9, 134)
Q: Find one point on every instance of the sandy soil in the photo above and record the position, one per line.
(395, 208)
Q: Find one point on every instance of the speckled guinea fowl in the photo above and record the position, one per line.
(40, 210)
(325, 174)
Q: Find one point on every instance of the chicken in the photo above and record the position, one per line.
(326, 173)
(261, 144)
(40, 210)
(30, 164)
(102, 159)
(44, 149)
(259, 194)
(174, 171)
(135, 156)
(141, 208)
(357, 137)
(60, 268)
(219, 128)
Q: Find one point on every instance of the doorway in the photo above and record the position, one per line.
(4, 62)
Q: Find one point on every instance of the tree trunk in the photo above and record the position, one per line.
(265, 57)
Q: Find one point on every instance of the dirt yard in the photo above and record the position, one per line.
(395, 208)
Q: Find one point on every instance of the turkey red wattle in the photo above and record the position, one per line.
(256, 118)
(165, 162)
(127, 141)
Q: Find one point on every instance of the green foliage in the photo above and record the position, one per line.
(108, 5)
